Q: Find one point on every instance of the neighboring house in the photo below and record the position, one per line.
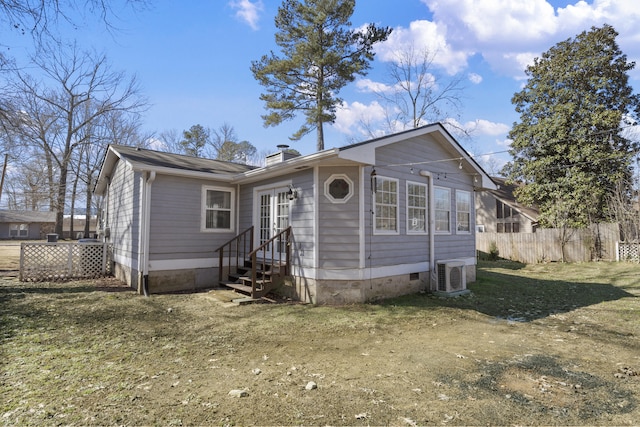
(497, 211)
(35, 225)
(362, 222)
(26, 225)
(78, 227)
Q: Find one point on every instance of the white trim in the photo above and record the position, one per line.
(316, 215)
(278, 184)
(255, 203)
(203, 209)
(375, 209)
(183, 264)
(426, 209)
(274, 189)
(360, 273)
(125, 261)
(448, 190)
(366, 152)
(462, 232)
(432, 226)
(163, 170)
(361, 221)
(287, 167)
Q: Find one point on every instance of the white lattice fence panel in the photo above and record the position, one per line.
(629, 251)
(64, 261)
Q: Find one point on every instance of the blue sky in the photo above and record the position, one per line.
(193, 60)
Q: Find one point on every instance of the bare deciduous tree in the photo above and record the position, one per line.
(623, 205)
(40, 18)
(416, 94)
(228, 148)
(61, 110)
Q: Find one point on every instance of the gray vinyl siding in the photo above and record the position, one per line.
(456, 244)
(485, 204)
(339, 223)
(301, 213)
(302, 220)
(34, 230)
(176, 214)
(123, 212)
(414, 155)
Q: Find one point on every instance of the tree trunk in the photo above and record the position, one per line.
(87, 221)
(50, 180)
(61, 200)
(73, 205)
(320, 133)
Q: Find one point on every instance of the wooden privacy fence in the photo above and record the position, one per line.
(64, 261)
(595, 243)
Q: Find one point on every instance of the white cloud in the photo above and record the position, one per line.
(475, 78)
(491, 22)
(504, 142)
(485, 127)
(248, 11)
(424, 35)
(481, 127)
(510, 33)
(156, 144)
(368, 85)
(357, 117)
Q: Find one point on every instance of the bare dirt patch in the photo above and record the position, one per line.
(524, 348)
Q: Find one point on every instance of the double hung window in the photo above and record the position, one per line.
(442, 200)
(217, 209)
(417, 202)
(463, 211)
(386, 206)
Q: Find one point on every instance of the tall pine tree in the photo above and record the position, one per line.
(568, 148)
(320, 55)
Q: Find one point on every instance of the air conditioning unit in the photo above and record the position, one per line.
(452, 277)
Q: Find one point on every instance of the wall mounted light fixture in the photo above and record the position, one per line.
(292, 194)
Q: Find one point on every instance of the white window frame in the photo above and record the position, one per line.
(204, 209)
(332, 178)
(467, 212)
(425, 208)
(395, 231)
(19, 230)
(435, 209)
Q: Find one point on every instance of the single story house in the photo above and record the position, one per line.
(26, 225)
(36, 225)
(381, 218)
(498, 211)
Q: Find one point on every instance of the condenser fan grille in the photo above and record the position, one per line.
(455, 278)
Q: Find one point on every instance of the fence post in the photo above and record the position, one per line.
(21, 260)
(70, 260)
(104, 258)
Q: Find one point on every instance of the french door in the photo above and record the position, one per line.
(272, 217)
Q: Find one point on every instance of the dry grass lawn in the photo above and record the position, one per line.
(555, 344)
(9, 255)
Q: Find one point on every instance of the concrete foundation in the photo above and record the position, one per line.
(313, 291)
(336, 292)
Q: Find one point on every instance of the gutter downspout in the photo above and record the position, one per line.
(145, 230)
(432, 230)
